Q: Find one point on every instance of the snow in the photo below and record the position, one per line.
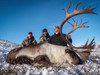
(6, 45)
(90, 67)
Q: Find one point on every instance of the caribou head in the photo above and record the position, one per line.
(49, 53)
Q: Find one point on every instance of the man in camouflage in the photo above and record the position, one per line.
(57, 39)
(45, 36)
(29, 40)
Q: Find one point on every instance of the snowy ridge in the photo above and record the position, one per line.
(90, 67)
(96, 51)
(6, 45)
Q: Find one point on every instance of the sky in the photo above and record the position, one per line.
(18, 17)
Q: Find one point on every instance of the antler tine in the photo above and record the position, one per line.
(84, 23)
(76, 6)
(93, 8)
(86, 42)
(70, 23)
(66, 10)
(88, 10)
(92, 42)
(85, 26)
(73, 19)
(69, 6)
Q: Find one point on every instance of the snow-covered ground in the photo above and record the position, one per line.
(6, 45)
(90, 67)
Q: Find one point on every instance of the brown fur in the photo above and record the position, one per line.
(22, 59)
(74, 56)
(43, 59)
(12, 54)
(85, 54)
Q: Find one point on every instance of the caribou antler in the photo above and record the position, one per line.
(74, 13)
(87, 46)
(75, 26)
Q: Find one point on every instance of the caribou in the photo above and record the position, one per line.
(44, 53)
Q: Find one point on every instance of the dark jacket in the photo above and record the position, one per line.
(28, 42)
(57, 39)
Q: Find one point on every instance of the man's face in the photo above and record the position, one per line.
(44, 33)
(29, 36)
(57, 30)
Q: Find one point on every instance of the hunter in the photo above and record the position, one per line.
(45, 36)
(56, 39)
(30, 40)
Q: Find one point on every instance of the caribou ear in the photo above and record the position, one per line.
(68, 51)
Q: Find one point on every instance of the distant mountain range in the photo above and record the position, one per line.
(6, 45)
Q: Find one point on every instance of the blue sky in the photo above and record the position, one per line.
(18, 17)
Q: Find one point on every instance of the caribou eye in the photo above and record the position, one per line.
(68, 51)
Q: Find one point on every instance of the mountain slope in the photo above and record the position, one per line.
(6, 45)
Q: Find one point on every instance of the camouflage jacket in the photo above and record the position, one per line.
(28, 42)
(44, 38)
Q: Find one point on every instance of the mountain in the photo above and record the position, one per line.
(6, 45)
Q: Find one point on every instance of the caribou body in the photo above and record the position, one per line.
(56, 54)
(50, 53)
